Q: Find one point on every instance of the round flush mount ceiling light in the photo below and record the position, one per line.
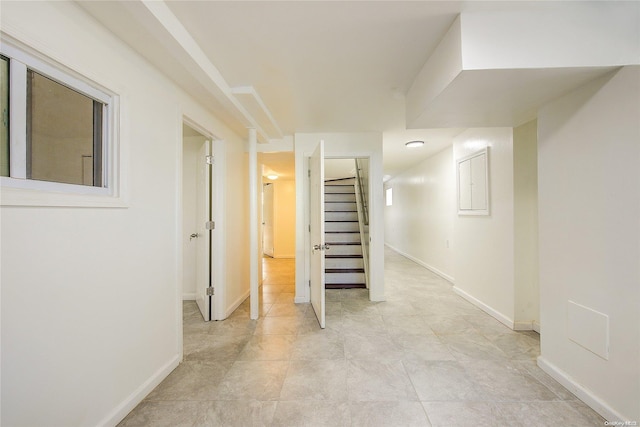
(414, 144)
(272, 176)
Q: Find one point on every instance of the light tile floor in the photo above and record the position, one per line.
(423, 357)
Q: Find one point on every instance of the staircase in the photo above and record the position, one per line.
(344, 266)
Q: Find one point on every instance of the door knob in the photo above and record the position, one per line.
(324, 247)
(193, 236)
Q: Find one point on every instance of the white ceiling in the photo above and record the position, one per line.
(318, 66)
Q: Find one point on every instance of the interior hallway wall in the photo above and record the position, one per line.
(91, 299)
(284, 204)
(231, 162)
(484, 244)
(589, 199)
(525, 190)
(419, 223)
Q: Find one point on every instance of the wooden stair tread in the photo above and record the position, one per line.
(343, 256)
(345, 285)
(344, 270)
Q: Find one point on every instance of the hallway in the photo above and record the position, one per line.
(424, 357)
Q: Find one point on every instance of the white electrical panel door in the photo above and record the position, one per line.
(479, 182)
(473, 184)
(464, 185)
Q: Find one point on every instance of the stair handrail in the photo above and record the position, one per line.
(362, 193)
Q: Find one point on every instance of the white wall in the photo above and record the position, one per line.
(582, 34)
(419, 224)
(525, 190)
(483, 254)
(231, 163)
(442, 67)
(589, 205)
(284, 203)
(91, 310)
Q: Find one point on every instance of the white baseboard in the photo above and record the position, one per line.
(531, 325)
(484, 307)
(523, 326)
(376, 296)
(536, 326)
(584, 394)
(236, 303)
(189, 297)
(445, 276)
(123, 409)
(301, 300)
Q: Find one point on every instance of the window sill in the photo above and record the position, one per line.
(17, 193)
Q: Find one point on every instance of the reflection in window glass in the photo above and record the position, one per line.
(64, 134)
(4, 110)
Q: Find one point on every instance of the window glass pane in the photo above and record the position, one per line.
(4, 110)
(64, 140)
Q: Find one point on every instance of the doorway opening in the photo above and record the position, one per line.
(278, 219)
(346, 190)
(338, 233)
(198, 243)
(346, 198)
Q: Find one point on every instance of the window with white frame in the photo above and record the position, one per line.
(56, 127)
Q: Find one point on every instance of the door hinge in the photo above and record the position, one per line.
(309, 228)
(309, 173)
(210, 291)
(209, 159)
(309, 283)
(210, 225)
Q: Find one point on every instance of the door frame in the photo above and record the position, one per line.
(376, 219)
(217, 214)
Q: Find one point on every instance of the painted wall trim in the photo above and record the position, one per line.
(301, 300)
(583, 393)
(190, 296)
(524, 326)
(445, 276)
(123, 409)
(236, 304)
(484, 307)
(536, 326)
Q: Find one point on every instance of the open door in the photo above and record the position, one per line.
(204, 225)
(318, 246)
(267, 219)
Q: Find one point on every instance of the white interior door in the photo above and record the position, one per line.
(267, 219)
(316, 215)
(203, 218)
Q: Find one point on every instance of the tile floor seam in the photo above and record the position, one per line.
(423, 324)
